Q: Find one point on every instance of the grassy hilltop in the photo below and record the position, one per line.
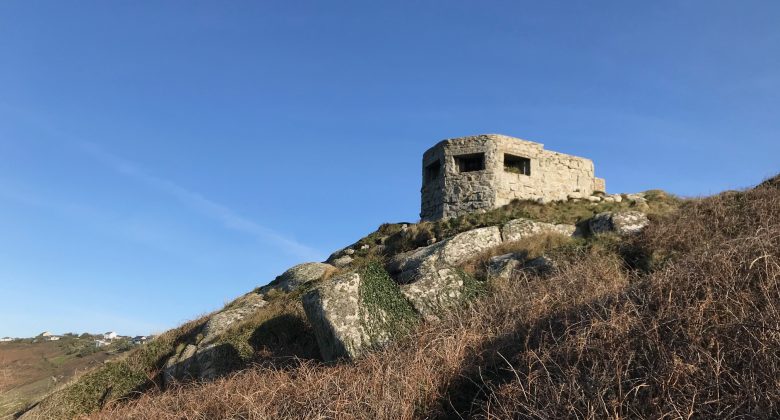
(681, 319)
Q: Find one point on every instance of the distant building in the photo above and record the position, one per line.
(5, 339)
(110, 335)
(140, 339)
(101, 343)
(54, 338)
(46, 334)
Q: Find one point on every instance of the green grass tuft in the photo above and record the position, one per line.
(472, 288)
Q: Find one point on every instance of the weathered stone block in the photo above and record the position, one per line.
(239, 310)
(518, 229)
(504, 266)
(356, 311)
(621, 223)
(333, 309)
(468, 244)
(435, 288)
(206, 359)
(343, 261)
(205, 363)
(452, 251)
(428, 276)
(298, 275)
(507, 265)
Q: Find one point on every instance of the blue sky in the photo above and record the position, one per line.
(158, 159)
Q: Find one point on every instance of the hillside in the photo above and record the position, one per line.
(565, 309)
(29, 368)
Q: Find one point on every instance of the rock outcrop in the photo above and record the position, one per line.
(200, 362)
(299, 275)
(342, 258)
(452, 252)
(429, 276)
(346, 313)
(342, 261)
(518, 229)
(240, 309)
(466, 245)
(205, 359)
(436, 288)
(333, 309)
(621, 223)
(507, 265)
(429, 279)
(356, 311)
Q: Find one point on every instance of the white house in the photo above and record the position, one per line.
(54, 338)
(140, 339)
(110, 335)
(101, 343)
(5, 339)
(46, 334)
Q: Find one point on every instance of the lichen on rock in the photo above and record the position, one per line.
(518, 229)
(356, 311)
(621, 223)
(436, 288)
(298, 275)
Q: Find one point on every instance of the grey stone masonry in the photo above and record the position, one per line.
(480, 173)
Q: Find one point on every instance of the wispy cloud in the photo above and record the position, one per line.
(199, 203)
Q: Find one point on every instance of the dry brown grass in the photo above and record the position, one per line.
(5, 378)
(408, 380)
(129, 374)
(680, 321)
(276, 333)
(697, 337)
(529, 248)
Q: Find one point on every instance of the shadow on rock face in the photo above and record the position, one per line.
(284, 337)
(206, 363)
